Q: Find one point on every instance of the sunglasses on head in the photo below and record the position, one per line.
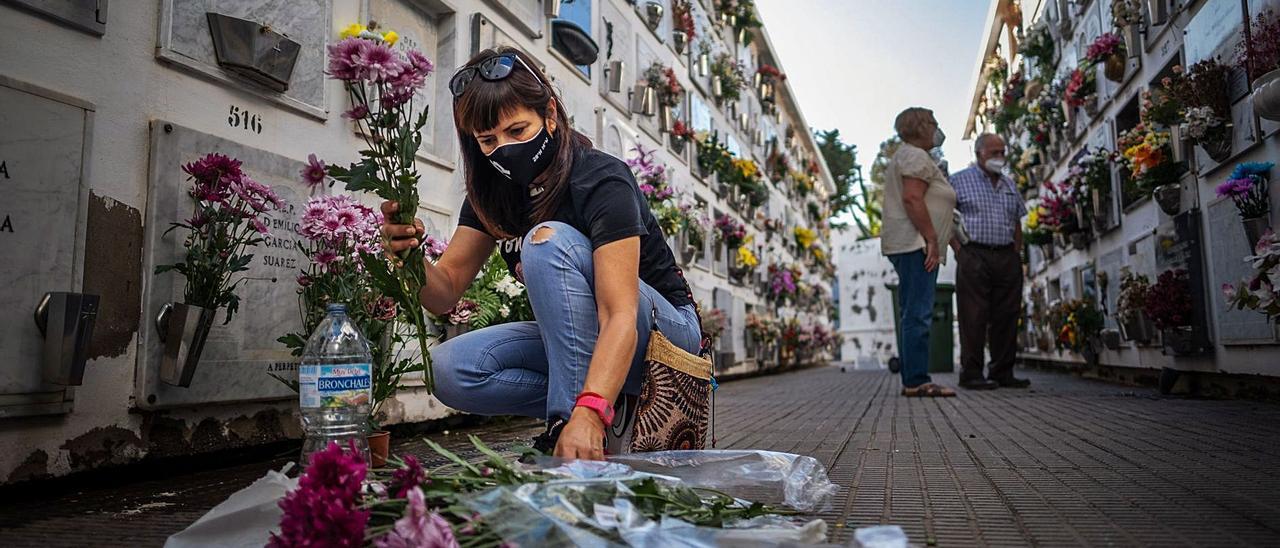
(492, 69)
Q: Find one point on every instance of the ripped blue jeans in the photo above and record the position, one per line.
(536, 369)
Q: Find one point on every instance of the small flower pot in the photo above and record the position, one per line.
(704, 64)
(1138, 329)
(1169, 197)
(679, 41)
(664, 119)
(1177, 143)
(1159, 11)
(689, 254)
(677, 145)
(1254, 229)
(1091, 105)
(1217, 149)
(1179, 341)
(1133, 40)
(379, 448)
(1079, 240)
(183, 329)
(717, 88)
(1266, 96)
(1114, 67)
(653, 11)
(253, 50)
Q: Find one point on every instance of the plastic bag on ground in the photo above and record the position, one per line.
(770, 477)
(245, 519)
(880, 536)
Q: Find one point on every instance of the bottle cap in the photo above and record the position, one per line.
(336, 307)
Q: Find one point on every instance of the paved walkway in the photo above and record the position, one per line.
(1069, 462)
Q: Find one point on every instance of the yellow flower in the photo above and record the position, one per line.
(805, 237)
(352, 30)
(1033, 219)
(746, 257)
(818, 254)
(390, 37)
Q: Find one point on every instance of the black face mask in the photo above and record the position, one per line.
(522, 162)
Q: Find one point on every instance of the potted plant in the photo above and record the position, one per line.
(1168, 305)
(652, 178)
(1108, 50)
(1248, 187)
(730, 231)
(768, 77)
(229, 215)
(382, 84)
(681, 135)
(336, 252)
(1259, 291)
(713, 323)
(683, 28)
(727, 79)
(669, 92)
(1082, 89)
(1127, 16)
(1077, 323)
(1146, 153)
(744, 262)
(1260, 57)
(653, 11)
(741, 16)
(1130, 308)
(1202, 92)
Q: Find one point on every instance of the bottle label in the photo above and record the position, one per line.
(340, 385)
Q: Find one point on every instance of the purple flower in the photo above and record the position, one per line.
(407, 477)
(259, 226)
(324, 510)
(314, 173)
(213, 167)
(304, 280)
(325, 257)
(377, 62)
(419, 62)
(358, 112)
(419, 528)
(342, 59)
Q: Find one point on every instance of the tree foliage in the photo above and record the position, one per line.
(853, 194)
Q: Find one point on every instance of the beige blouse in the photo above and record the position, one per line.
(897, 234)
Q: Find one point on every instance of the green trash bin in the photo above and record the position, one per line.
(941, 334)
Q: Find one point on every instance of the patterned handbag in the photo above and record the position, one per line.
(674, 408)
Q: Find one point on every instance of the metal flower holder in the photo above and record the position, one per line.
(253, 50)
(183, 329)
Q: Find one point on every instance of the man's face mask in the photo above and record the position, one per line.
(995, 165)
(522, 162)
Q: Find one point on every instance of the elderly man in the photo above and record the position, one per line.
(989, 267)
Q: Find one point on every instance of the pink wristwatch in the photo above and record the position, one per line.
(596, 403)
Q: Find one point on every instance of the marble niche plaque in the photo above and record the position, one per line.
(42, 196)
(616, 45)
(418, 30)
(1228, 265)
(239, 356)
(185, 41)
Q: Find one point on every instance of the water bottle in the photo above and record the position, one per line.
(335, 389)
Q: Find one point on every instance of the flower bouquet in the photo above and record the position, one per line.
(1261, 291)
(1146, 153)
(1259, 56)
(1082, 89)
(653, 179)
(1038, 47)
(1131, 307)
(712, 155)
(382, 84)
(743, 262)
(1168, 305)
(1202, 91)
(1036, 233)
(684, 30)
(681, 135)
(1248, 187)
(696, 226)
(229, 215)
(663, 80)
(713, 322)
(1077, 324)
(727, 79)
(340, 501)
(782, 283)
(1109, 50)
(730, 231)
(741, 16)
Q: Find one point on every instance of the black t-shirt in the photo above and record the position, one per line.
(605, 203)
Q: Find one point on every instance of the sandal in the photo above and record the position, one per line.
(928, 390)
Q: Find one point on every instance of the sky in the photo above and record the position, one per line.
(855, 64)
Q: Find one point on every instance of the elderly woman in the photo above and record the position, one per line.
(918, 214)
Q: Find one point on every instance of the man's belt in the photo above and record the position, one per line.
(1004, 247)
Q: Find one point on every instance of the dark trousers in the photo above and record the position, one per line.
(988, 299)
